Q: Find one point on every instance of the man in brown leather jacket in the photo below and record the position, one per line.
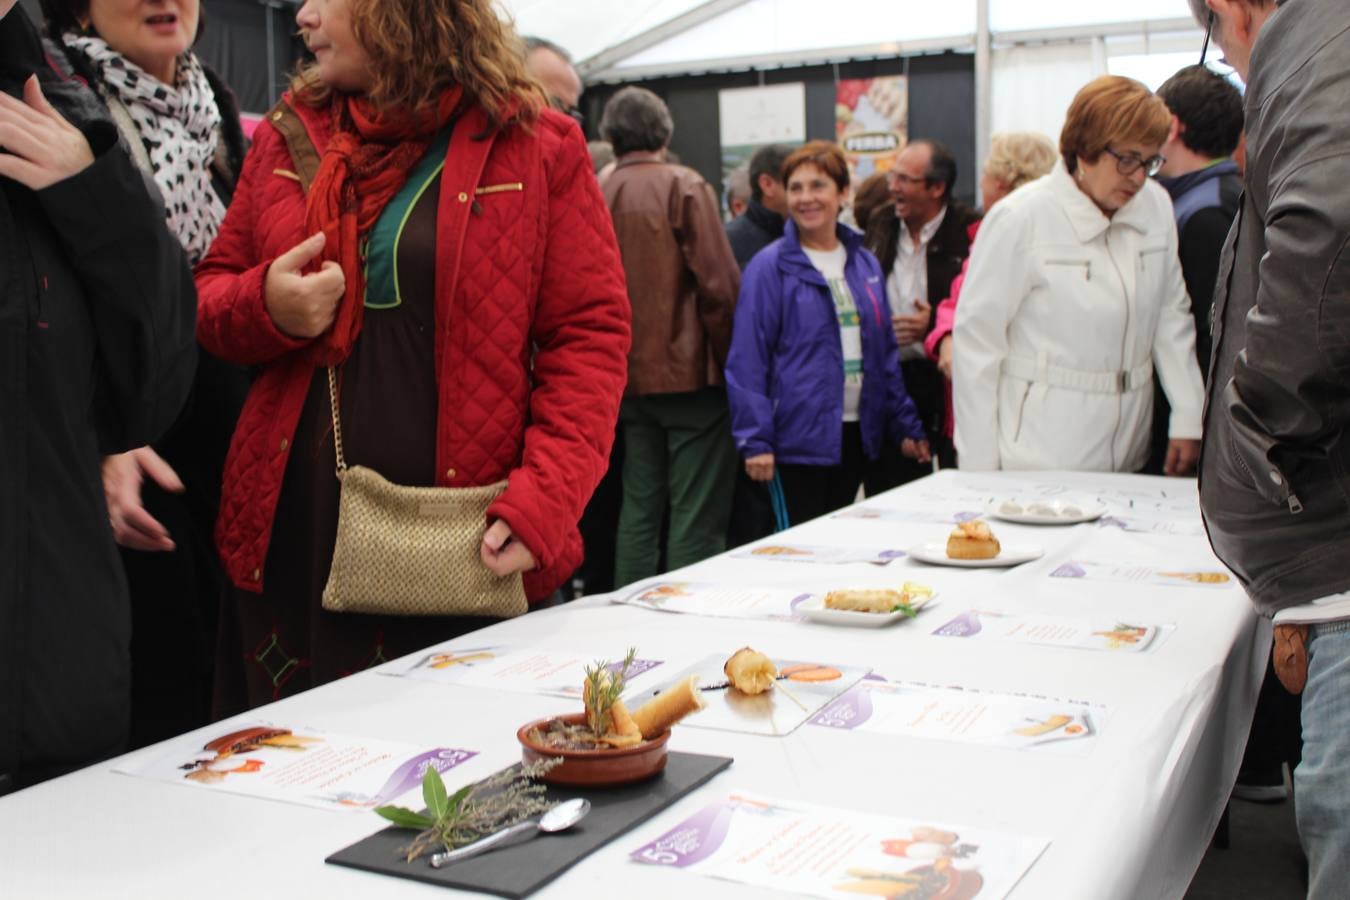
(682, 283)
(1275, 465)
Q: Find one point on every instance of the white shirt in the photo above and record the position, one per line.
(830, 263)
(1323, 609)
(1063, 317)
(909, 277)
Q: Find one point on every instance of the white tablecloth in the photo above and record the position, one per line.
(1130, 820)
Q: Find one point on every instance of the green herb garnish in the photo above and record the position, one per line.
(453, 820)
(602, 689)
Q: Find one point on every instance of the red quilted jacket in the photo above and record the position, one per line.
(532, 329)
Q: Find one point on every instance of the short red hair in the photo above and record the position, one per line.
(1108, 110)
(825, 156)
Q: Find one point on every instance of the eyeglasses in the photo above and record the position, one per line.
(906, 179)
(1129, 163)
(1209, 30)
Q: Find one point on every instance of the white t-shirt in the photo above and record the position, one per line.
(830, 263)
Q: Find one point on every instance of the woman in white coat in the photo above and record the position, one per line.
(1073, 297)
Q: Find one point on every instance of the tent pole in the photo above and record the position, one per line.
(984, 89)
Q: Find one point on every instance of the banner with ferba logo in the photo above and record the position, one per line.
(871, 122)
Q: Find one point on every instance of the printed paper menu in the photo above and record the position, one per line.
(298, 765)
(780, 552)
(1187, 527)
(924, 516)
(1135, 574)
(966, 716)
(722, 601)
(1054, 631)
(825, 852)
(526, 670)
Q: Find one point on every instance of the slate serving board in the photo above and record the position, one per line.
(521, 870)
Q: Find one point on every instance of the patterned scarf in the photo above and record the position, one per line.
(365, 163)
(180, 128)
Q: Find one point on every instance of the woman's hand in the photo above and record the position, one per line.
(123, 475)
(502, 553)
(43, 148)
(916, 450)
(1182, 454)
(760, 467)
(303, 306)
(944, 360)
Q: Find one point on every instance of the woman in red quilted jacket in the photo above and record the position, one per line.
(453, 258)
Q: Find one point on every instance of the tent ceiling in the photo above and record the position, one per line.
(626, 39)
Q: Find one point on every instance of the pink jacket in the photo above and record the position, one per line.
(942, 326)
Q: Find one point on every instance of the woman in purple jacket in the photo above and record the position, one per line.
(813, 376)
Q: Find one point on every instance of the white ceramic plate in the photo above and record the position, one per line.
(815, 610)
(1045, 512)
(1009, 555)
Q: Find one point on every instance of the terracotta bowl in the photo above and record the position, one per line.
(594, 768)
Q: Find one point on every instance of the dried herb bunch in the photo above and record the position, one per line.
(602, 689)
(453, 820)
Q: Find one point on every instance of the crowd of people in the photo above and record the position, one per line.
(421, 269)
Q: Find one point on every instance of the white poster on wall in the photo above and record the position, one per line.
(749, 118)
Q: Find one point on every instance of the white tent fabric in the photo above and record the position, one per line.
(780, 27)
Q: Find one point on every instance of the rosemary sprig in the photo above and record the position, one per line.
(602, 689)
(453, 820)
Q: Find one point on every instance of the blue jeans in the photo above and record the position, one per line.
(1322, 779)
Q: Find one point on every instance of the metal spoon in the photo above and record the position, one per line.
(559, 818)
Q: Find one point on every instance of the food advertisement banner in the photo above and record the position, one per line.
(526, 670)
(1180, 576)
(1052, 631)
(825, 852)
(298, 765)
(966, 716)
(871, 122)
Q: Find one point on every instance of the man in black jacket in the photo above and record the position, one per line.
(921, 248)
(762, 222)
(96, 356)
(1275, 463)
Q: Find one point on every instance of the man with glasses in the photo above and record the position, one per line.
(552, 67)
(922, 247)
(1275, 467)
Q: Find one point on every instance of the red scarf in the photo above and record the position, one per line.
(365, 164)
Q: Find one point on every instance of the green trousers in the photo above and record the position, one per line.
(677, 451)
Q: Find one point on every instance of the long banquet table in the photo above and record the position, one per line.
(1130, 820)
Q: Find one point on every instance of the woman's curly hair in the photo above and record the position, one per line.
(418, 48)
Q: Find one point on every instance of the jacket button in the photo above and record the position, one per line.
(285, 443)
(257, 574)
(449, 473)
(463, 197)
(1275, 477)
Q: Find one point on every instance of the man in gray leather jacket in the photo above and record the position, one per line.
(1275, 466)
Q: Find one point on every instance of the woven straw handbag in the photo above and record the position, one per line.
(412, 551)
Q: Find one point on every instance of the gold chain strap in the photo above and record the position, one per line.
(337, 422)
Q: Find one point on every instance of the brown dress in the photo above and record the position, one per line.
(388, 403)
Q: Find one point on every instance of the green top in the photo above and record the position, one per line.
(382, 289)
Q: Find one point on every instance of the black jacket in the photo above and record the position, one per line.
(947, 253)
(752, 231)
(1275, 464)
(96, 356)
(1205, 203)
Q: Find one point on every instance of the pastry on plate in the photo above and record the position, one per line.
(972, 540)
(750, 671)
(877, 600)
